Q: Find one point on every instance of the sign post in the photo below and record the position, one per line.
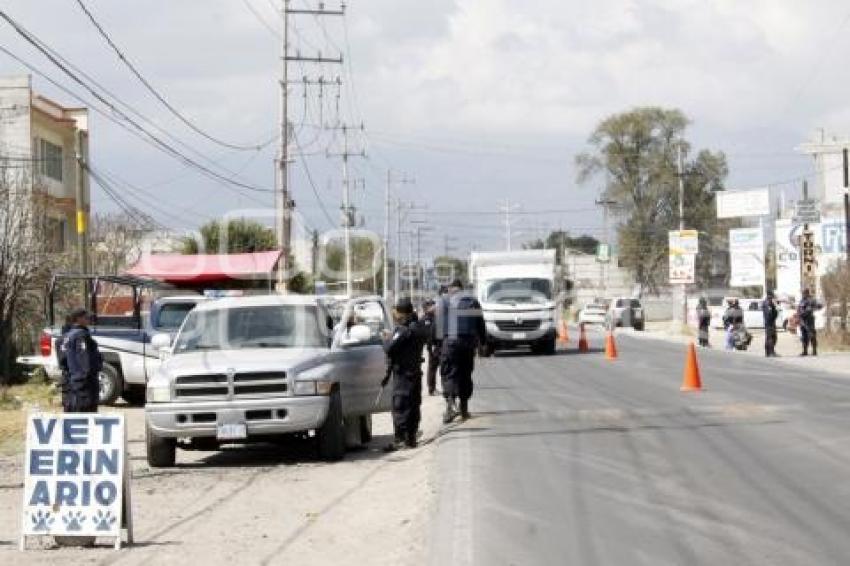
(684, 246)
(76, 477)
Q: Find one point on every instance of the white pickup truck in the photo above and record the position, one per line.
(124, 339)
(249, 368)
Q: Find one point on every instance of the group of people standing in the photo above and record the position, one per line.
(450, 328)
(733, 322)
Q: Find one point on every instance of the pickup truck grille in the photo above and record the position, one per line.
(518, 325)
(220, 386)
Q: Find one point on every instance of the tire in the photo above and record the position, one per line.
(639, 326)
(161, 452)
(366, 429)
(110, 384)
(134, 395)
(485, 350)
(549, 346)
(330, 438)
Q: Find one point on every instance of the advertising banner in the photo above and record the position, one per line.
(746, 255)
(830, 247)
(738, 204)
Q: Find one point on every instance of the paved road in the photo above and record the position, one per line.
(575, 460)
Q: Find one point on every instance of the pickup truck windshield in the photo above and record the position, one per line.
(274, 326)
(519, 290)
(172, 315)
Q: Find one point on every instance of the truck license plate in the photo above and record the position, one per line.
(519, 336)
(232, 431)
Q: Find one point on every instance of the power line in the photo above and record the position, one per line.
(156, 140)
(319, 200)
(123, 58)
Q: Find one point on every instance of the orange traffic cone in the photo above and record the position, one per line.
(610, 347)
(692, 381)
(564, 334)
(582, 339)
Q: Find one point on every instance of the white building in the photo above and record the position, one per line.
(828, 188)
(43, 139)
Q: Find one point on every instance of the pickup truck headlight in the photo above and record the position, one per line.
(309, 387)
(158, 394)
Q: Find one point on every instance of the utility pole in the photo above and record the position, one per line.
(283, 199)
(605, 203)
(347, 210)
(387, 207)
(680, 161)
(846, 166)
(80, 144)
(507, 208)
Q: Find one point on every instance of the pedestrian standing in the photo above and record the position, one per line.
(404, 352)
(461, 329)
(806, 313)
(704, 321)
(770, 314)
(733, 320)
(81, 362)
(432, 345)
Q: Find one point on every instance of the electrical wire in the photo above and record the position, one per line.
(156, 94)
(309, 175)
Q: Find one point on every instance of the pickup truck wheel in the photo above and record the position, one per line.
(162, 452)
(366, 429)
(109, 385)
(134, 395)
(485, 350)
(330, 438)
(549, 346)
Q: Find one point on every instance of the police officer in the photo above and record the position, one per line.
(461, 328)
(733, 319)
(404, 352)
(432, 346)
(808, 333)
(770, 314)
(81, 363)
(704, 321)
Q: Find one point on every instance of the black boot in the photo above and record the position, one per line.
(451, 411)
(464, 409)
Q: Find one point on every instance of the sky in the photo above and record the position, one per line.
(478, 101)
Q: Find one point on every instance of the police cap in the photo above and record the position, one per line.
(404, 306)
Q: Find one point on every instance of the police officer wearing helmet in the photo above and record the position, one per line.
(461, 328)
(81, 362)
(404, 350)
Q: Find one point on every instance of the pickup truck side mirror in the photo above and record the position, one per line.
(356, 335)
(161, 342)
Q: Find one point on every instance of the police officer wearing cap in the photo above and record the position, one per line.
(404, 350)
(81, 362)
(461, 328)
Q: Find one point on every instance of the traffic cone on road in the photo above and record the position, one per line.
(691, 381)
(610, 347)
(582, 339)
(564, 335)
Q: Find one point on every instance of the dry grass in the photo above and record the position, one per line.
(14, 403)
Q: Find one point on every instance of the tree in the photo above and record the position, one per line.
(236, 236)
(449, 268)
(24, 255)
(637, 154)
(116, 240)
(560, 240)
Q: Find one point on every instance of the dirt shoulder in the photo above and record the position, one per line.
(261, 505)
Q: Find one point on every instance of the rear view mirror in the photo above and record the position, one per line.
(357, 334)
(161, 341)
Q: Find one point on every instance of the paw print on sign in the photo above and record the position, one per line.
(41, 520)
(74, 520)
(104, 520)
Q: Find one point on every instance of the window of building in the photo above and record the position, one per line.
(56, 228)
(50, 160)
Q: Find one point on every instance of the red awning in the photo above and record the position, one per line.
(205, 269)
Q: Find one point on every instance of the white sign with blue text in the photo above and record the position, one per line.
(75, 483)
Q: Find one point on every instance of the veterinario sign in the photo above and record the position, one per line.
(75, 482)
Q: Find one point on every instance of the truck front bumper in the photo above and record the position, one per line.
(261, 416)
(545, 331)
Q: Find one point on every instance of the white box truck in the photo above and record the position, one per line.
(517, 291)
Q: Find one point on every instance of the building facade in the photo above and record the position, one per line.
(46, 142)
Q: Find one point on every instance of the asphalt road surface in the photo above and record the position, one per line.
(573, 459)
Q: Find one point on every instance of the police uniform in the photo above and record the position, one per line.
(432, 347)
(771, 314)
(462, 328)
(81, 363)
(808, 332)
(404, 351)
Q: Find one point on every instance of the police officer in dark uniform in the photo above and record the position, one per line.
(432, 345)
(81, 362)
(808, 333)
(461, 328)
(770, 314)
(404, 350)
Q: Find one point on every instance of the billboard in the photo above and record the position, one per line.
(746, 256)
(684, 246)
(829, 248)
(738, 204)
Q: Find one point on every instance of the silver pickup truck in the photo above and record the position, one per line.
(249, 368)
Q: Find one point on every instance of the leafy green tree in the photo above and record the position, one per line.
(449, 268)
(560, 240)
(636, 153)
(236, 236)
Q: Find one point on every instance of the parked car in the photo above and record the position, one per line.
(249, 368)
(624, 311)
(592, 313)
(124, 339)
